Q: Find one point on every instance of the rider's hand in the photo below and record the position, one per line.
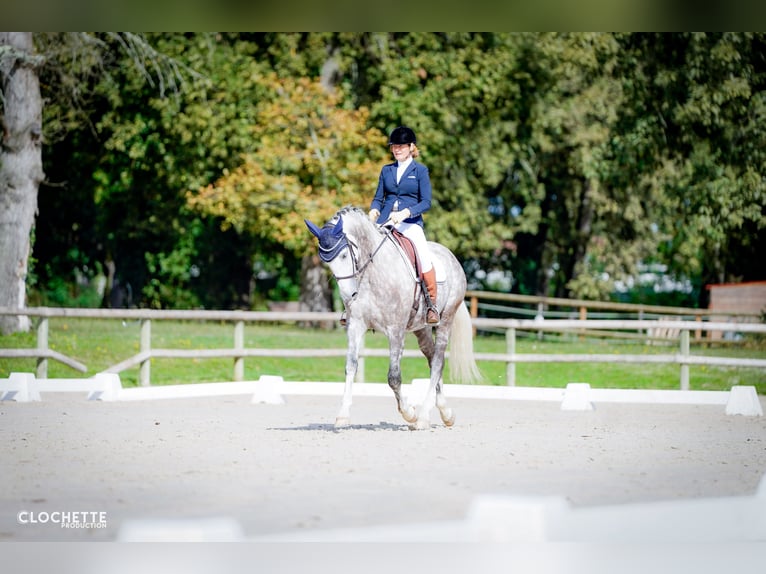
(373, 215)
(399, 216)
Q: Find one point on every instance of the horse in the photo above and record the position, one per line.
(381, 291)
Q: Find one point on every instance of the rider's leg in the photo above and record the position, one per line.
(432, 315)
(415, 233)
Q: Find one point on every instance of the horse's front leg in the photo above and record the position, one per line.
(396, 350)
(356, 330)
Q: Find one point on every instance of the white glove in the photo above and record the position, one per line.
(399, 216)
(373, 215)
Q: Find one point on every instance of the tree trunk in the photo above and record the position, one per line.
(21, 169)
(316, 289)
(581, 237)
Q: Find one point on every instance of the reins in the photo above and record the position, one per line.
(358, 271)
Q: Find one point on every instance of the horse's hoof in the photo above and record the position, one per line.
(341, 422)
(409, 414)
(420, 424)
(449, 418)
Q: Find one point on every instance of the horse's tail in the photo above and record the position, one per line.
(462, 365)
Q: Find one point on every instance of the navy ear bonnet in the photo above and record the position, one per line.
(332, 240)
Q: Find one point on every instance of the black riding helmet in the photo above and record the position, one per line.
(402, 135)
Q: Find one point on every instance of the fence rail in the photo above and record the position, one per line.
(552, 307)
(238, 352)
(583, 306)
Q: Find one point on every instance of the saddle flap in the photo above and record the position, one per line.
(408, 247)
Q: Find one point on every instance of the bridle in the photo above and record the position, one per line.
(353, 248)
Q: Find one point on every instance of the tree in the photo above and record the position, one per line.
(313, 156)
(158, 114)
(698, 105)
(71, 65)
(20, 169)
(568, 159)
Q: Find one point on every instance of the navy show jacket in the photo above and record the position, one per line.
(413, 192)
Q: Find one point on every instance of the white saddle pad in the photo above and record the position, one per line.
(441, 273)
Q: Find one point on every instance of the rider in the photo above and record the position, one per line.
(403, 195)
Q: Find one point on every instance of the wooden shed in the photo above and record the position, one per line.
(746, 298)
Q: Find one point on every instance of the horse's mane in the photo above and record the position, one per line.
(349, 210)
(356, 219)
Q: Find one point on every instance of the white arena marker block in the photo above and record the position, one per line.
(267, 389)
(19, 387)
(577, 398)
(108, 387)
(743, 400)
(761, 492)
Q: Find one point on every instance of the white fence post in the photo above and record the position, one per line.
(144, 375)
(239, 344)
(684, 355)
(42, 346)
(510, 366)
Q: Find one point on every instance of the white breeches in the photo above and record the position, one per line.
(414, 233)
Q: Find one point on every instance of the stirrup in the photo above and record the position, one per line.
(343, 321)
(432, 312)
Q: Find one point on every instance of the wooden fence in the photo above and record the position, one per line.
(239, 352)
(558, 308)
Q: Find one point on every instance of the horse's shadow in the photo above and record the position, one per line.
(328, 427)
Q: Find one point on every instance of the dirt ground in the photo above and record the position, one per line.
(277, 469)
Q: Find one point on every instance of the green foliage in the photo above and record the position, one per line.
(566, 160)
(65, 292)
(171, 273)
(312, 158)
(274, 275)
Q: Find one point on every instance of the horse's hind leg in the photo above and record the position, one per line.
(426, 343)
(436, 346)
(446, 413)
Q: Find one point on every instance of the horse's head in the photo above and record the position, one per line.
(332, 240)
(334, 249)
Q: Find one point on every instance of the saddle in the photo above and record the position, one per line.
(408, 248)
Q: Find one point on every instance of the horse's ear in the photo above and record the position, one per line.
(312, 228)
(337, 231)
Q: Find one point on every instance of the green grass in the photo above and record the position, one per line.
(102, 343)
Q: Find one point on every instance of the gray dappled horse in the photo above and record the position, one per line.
(379, 288)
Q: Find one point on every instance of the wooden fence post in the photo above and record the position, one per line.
(239, 344)
(42, 345)
(510, 366)
(144, 374)
(684, 354)
(583, 317)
